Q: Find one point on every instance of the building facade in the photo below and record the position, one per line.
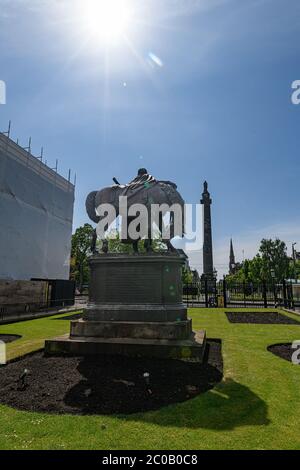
(36, 213)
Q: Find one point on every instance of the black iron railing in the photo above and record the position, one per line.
(212, 293)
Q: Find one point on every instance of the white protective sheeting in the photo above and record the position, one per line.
(36, 215)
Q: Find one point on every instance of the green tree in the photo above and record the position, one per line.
(275, 262)
(236, 277)
(80, 251)
(255, 269)
(187, 275)
(115, 245)
(294, 269)
(270, 264)
(247, 269)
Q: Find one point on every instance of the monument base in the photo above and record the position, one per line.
(135, 309)
(192, 348)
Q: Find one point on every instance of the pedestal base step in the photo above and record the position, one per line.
(140, 312)
(134, 347)
(143, 330)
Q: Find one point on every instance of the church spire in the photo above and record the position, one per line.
(231, 259)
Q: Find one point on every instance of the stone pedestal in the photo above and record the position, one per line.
(135, 308)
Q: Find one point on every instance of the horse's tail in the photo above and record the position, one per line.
(91, 208)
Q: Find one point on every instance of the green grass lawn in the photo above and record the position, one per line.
(257, 406)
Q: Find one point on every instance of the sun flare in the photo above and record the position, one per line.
(107, 20)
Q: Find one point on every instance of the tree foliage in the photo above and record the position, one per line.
(115, 245)
(187, 275)
(275, 262)
(271, 264)
(80, 251)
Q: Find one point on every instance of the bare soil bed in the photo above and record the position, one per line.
(283, 350)
(9, 338)
(106, 384)
(271, 318)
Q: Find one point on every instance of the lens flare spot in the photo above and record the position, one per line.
(154, 60)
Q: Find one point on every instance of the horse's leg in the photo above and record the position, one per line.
(171, 248)
(148, 240)
(162, 229)
(169, 244)
(105, 246)
(148, 245)
(93, 242)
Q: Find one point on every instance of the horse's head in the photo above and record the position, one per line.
(95, 199)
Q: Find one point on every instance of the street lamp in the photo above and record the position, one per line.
(294, 260)
(273, 273)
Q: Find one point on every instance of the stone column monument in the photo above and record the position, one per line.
(135, 303)
(208, 265)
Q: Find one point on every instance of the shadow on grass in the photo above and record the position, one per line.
(228, 406)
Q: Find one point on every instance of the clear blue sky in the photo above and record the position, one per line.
(213, 102)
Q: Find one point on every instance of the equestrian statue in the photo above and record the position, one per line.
(143, 189)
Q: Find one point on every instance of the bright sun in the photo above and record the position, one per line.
(107, 20)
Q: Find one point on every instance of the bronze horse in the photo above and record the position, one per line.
(146, 190)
